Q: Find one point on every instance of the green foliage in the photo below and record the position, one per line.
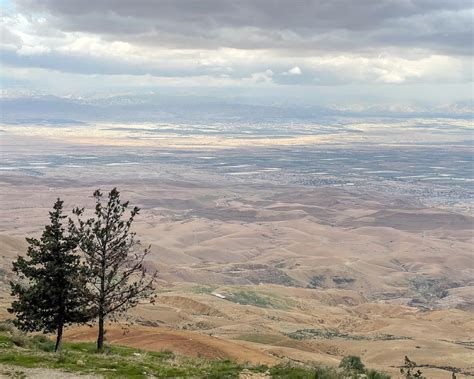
(352, 363)
(41, 342)
(286, 371)
(246, 297)
(260, 368)
(19, 339)
(116, 273)
(208, 290)
(50, 290)
(165, 355)
(327, 373)
(317, 281)
(5, 342)
(126, 362)
(119, 362)
(372, 374)
(302, 334)
(304, 372)
(428, 290)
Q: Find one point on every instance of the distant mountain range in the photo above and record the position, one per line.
(151, 107)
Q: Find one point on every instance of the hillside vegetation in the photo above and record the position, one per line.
(20, 353)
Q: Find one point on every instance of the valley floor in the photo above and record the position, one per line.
(269, 273)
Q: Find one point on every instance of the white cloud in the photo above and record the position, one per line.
(47, 53)
(294, 71)
(33, 50)
(265, 77)
(392, 69)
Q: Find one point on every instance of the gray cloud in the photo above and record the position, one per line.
(302, 26)
(77, 64)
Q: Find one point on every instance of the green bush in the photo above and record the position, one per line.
(326, 373)
(41, 342)
(372, 374)
(261, 368)
(352, 363)
(17, 338)
(286, 371)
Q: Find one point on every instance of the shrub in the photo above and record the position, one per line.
(166, 354)
(372, 374)
(41, 342)
(316, 281)
(352, 363)
(261, 368)
(287, 371)
(20, 340)
(326, 373)
(7, 326)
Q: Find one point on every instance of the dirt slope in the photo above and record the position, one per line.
(180, 342)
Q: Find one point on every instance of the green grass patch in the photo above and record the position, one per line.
(6, 342)
(125, 362)
(207, 290)
(247, 297)
(292, 372)
(116, 362)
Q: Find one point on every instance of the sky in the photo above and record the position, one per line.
(350, 51)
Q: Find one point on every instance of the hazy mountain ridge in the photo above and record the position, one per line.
(157, 107)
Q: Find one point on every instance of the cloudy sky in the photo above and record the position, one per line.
(366, 49)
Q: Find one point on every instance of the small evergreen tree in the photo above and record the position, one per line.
(117, 275)
(51, 290)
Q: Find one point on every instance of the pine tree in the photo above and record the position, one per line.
(117, 276)
(51, 290)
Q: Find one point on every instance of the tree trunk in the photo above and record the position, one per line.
(59, 337)
(100, 337)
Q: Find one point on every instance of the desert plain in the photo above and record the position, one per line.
(298, 249)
